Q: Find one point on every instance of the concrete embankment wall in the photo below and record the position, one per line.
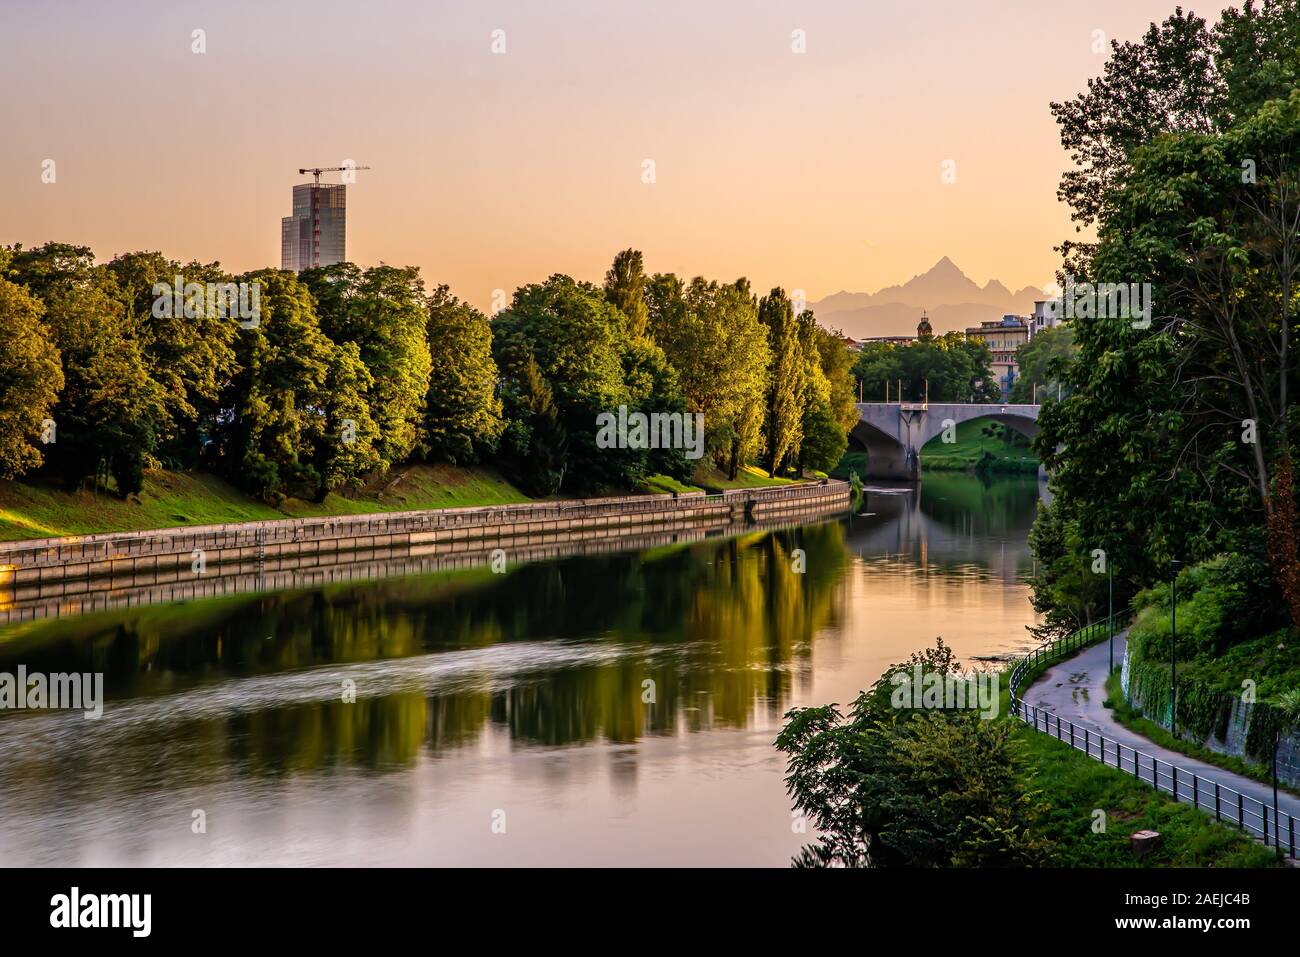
(53, 577)
(72, 597)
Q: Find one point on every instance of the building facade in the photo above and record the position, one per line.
(1003, 337)
(1044, 316)
(316, 233)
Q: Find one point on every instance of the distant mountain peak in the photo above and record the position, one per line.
(945, 270)
(950, 298)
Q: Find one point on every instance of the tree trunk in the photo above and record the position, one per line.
(1279, 520)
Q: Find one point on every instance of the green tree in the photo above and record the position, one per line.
(625, 288)
(190, 356)
(954, 368)
(463, 413)
(285, 432)
(711, 335)
(837, 362)
(535, 439)
(383, 310)
(1226, 260)
(903, 787)
(577, 339)
(53, 265)
(31, 376)
(111, 413)
(824, 439)
(110, 410)
(1182, 77)
(1167, 81)
(878, 367)
(1039, 360)
(593, 365)
(1190, 178)
(816, 411)
(787, 373)
(347, 444)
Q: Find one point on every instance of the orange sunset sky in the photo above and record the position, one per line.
(819, 171)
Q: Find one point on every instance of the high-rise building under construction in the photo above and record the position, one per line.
(315, 234)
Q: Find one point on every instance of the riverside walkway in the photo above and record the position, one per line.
(1070, 693)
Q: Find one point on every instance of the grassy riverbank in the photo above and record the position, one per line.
(747, 476)
(972, 445)
(709, 479)
(168, 499)
(1070, 788)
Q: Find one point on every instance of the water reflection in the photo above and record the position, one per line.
(954, 521)
(678, 660)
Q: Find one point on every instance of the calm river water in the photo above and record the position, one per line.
(499, 719)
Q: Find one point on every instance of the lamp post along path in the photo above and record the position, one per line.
(1173, 648)
(1110, 611)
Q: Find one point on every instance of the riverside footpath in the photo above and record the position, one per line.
(1073, 691)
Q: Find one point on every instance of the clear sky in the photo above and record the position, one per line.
(818, 171)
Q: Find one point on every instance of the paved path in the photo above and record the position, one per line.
(1075, 688)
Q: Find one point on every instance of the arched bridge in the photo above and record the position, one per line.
(894, 432)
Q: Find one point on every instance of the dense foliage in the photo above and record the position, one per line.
(956, 369)
(1231, 651)
(30, 378)
(344, 373)
(1039, 359)
(889, 787)
(1173, 439)
(711, 334)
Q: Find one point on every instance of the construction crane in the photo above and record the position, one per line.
(316, 171)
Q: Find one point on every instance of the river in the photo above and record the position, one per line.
(610, 710)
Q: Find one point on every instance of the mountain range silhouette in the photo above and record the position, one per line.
(951, 299)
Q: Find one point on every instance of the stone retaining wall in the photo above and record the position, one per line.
(1234, 741)
(64, 568)
(67, 598)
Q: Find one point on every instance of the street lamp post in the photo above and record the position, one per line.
(1277, 837)
(1110, 616)
(1173, 647)
(1084, 620)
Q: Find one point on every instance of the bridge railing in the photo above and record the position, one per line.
(1001, 406)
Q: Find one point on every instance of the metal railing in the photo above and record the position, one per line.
(1276, 828)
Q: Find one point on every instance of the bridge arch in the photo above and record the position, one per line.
(887, 457)
(895, 432)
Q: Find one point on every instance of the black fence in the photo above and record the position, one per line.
(1274, 827)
